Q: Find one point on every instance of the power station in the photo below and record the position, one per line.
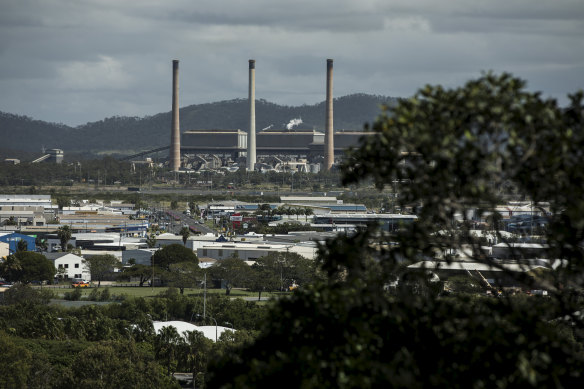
(252, 149)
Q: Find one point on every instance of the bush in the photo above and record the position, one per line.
(23, 293)
(75, 295)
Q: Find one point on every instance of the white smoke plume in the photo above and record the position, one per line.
(293, 123)
(267, 128)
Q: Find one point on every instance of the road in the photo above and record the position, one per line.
(180, 219)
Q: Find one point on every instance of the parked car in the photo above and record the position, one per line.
(80, 284)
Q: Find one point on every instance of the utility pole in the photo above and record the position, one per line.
(205, 298)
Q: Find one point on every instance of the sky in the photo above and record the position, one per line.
(77, 61)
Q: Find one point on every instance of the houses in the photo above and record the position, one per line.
(69, 266)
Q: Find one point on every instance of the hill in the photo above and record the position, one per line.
(125, 135)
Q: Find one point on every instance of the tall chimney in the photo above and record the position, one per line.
(175, 128)
(329, 148)
(251, 137)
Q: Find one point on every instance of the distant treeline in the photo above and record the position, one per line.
(126, 135)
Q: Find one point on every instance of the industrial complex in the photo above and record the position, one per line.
(292, 149)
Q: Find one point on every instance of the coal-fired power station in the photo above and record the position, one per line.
(256, 150)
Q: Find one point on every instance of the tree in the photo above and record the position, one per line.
(183, 274)
(263, 278)
(100, 265)
(173, 253)
(167, 344)
(151, 241)
(118, 364)
(450, 151)
(64, 234)
(10, 221)
(63, 201)
(307, 212)
(27, 266)
(15, 363)
(22, 245)
(185, 233)
(142, 272)
(233, 271)
(174, 205)
(194, 354)
(41, 244)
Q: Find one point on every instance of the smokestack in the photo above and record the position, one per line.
(175, 128)
(329, 148)
(251, 137)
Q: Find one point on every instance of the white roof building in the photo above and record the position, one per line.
(210, 332)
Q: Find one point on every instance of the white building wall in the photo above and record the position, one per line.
(74, 266)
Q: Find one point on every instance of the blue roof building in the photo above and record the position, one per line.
(13, 238)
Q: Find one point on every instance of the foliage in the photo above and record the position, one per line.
(447, 152)
(15, 362)
(185, 233)
(100, 295)
(25, 294)
(173, 253)
(27, 266)
(184, 274)
(74, 295)
(151, 241)
(118, 364)
(232, 271)
(142, 272)
(99, 265)
(64, 234)
(279, 271)
(22, 245)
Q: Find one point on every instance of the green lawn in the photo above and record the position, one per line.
(149, 291)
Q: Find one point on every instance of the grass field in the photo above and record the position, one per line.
(151, 292)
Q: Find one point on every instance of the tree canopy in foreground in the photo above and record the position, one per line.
(448, 151)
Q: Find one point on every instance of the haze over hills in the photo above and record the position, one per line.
(126, 135)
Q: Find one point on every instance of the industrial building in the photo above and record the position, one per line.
(200, 148)
(288, 144)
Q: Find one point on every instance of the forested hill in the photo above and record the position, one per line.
(125, 135)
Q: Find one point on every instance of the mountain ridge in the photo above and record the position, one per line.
(132, 134)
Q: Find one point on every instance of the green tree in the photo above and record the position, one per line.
(308, 212)
(233, 271)
(100, 265)
(174, 205)
(142, 272)
(185, 233)
(25, 294)
(63, 201)
(10, 221)
(263, 277)
(27, 266)
(151, 241)
(194, 355)
(173, 253)
(167, 344)
(450, 151)
(41, 244)
(15, 363)
(64, 234)
(184, 274)
(116, 364)
(21, 245)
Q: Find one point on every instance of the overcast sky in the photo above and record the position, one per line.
(74, 61)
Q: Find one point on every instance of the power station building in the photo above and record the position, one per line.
(300, 143)
(313, 146)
